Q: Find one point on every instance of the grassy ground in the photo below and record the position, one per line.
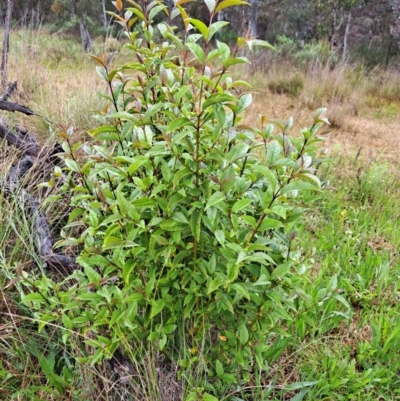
(355, 233)
(351, 232)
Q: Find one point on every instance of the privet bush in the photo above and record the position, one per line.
(184, 217)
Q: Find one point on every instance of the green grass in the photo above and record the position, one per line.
(355, 234)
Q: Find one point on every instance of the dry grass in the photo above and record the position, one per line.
(364, 112)
(59, 82)
(55, 79)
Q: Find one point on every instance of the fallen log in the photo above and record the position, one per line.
(11, 88)
(31, 150)
(12, 185)
(44, 239)
(8, 106)
(21, 139)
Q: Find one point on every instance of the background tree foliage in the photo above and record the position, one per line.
(364, 26)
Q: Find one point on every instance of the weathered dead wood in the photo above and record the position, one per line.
(121, 366)
(44, 239)
(19, 170)
(11, 88)
(21, 139)
(12, 186)
(9, 106)
(27, 144)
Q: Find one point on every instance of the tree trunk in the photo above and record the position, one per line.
(253, 17)
(395, 23)
(85, 36)
(334, 19)
(105, 21)
(1, 17)
(245, 22)
(6, 43)
(346, 34)
(388, 52)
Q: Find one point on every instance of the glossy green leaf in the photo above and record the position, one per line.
(201, 26)
(215, 284)
(181, 173)
(280, 271)
(155, 10)
(178, 123)
(143, 202)
(211, 5)
(33, 297)
(196, 50)
(214, 199)
(220, 236)
(241, 204)
(195, 224)
(224, 51)
(91, 274)
(209, 397)
(157, 307)
(217, 26)
(235, 60)
(72, 165)
(241, 289)
(232, 271)
(219, 368)
(268, 174)
(163, 341)
(298, 186)
(243, 334)
(244, 102)
(230, 3)
(217, 98)
(269, 224)
(260, 43)
(137, 12)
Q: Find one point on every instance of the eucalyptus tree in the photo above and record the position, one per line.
(83, 12)
(6, 43)
(395, 20)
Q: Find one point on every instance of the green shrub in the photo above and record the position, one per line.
(228, 35)
(286, 47)
(184, 220)
(375, 54)
(305, 54)
(316, 52)
(289, 86)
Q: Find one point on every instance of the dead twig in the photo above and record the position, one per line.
(11, 88)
